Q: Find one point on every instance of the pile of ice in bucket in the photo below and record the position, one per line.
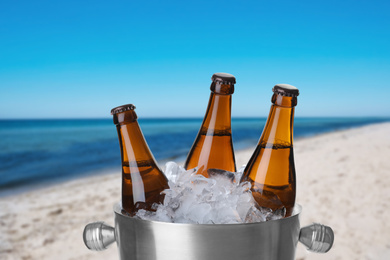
(219, 199)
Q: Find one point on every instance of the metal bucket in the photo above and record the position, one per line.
(151, 240)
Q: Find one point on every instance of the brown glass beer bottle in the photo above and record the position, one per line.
(271, 169)
(213, 146)
(142, 180)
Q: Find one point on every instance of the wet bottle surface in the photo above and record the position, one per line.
(213, 146)
(142, 180)
(271, 169)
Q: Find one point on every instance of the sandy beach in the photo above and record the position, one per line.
(343, 182)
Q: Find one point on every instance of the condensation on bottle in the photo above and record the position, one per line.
(271, 169)
(142, 180)
(213, 146)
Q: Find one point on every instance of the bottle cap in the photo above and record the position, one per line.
(285, 90)
(224, 78)
(121, 109)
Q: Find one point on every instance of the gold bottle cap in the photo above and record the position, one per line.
(286, 90)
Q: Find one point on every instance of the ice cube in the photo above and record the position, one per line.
(185, 176)
(185, 204)
(254, 215)
(201, 183)
(198, 212)
(171, 170)
(244, 203)
(227, 215)
(243, 187)
(164, 214)
(274, 215)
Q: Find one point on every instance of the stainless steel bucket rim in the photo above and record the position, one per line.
(296, 211)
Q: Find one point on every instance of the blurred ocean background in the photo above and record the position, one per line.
(35, 153)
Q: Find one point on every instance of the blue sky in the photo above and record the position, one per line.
(75, 59)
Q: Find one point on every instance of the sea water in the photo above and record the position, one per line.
(38, 152)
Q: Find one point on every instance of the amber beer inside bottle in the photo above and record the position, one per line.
(271, 169)
(142, 180)
(213, 146)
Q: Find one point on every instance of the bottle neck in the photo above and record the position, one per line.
(125, 117)
(134, 149)
(278, 131)
(222, 89)
(218, 114)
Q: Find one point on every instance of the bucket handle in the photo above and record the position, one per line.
(98, 236)
(316, 237)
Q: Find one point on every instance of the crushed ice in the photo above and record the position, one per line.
(219, 199)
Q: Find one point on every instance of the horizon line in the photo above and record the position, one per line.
(180, 117)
